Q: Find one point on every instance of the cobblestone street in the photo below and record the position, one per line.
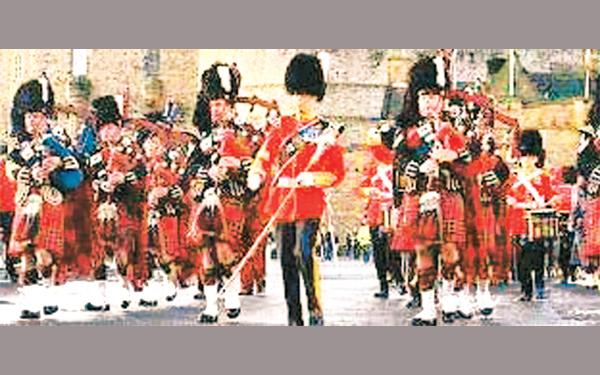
(348, 288)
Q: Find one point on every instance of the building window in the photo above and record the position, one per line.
(80, 62)
(152, 62)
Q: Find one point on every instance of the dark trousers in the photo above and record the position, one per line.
(532, 259)
(296, 242)
(379, 239)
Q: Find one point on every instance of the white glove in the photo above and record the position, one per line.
(206, 144)
(305, 179)
(254, 181)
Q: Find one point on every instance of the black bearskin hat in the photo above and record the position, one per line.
(220, 81)
(530, 143)
(304, 76)
(33, 96)
(107, 110)
(427, 74)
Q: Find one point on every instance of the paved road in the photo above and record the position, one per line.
(347, 297)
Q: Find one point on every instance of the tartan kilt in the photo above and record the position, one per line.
(405, 232)
(591, 227)
(486, 228)
(52, 229)
(234, 218)
(78, 229)
(169, 238)
(453, 218)
(253, 226)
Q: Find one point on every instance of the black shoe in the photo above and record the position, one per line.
(416, 322)
(415, 303)
(145, 303)
(402, 290)
(208, 319)
(247, 292)
(49, 310)
(525, 298)
(30, 315)
(125, 305)
(448, 317)
(487, 311)
(316, 321)
(462, 315)
(200, 296)
(382, 295)
(171, 298)
(295, 323)
(260, 287)
(233, 313)
(91, 307)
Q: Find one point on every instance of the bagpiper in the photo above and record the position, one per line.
(120, 208)
(484, 180)
(431, 154)
(218, 189)
(47, 174)
(298, 161)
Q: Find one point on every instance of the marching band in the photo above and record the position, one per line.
(450, 215)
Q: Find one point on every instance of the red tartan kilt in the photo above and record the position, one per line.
(234, 216)
(52, 229)
(591, 226)
(78, 228)
(169, 238)
(453, 214)
(486, 228)
(406, 230)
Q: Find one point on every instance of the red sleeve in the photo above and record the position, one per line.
(268, 153)
(332, 161)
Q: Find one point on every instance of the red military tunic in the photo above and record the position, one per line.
(520, 198)
(327, 166)
(376, 184)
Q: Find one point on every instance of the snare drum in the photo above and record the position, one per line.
(542, 224)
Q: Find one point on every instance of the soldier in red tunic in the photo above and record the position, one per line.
(299, 159)
(531, 226)
(377, 187)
